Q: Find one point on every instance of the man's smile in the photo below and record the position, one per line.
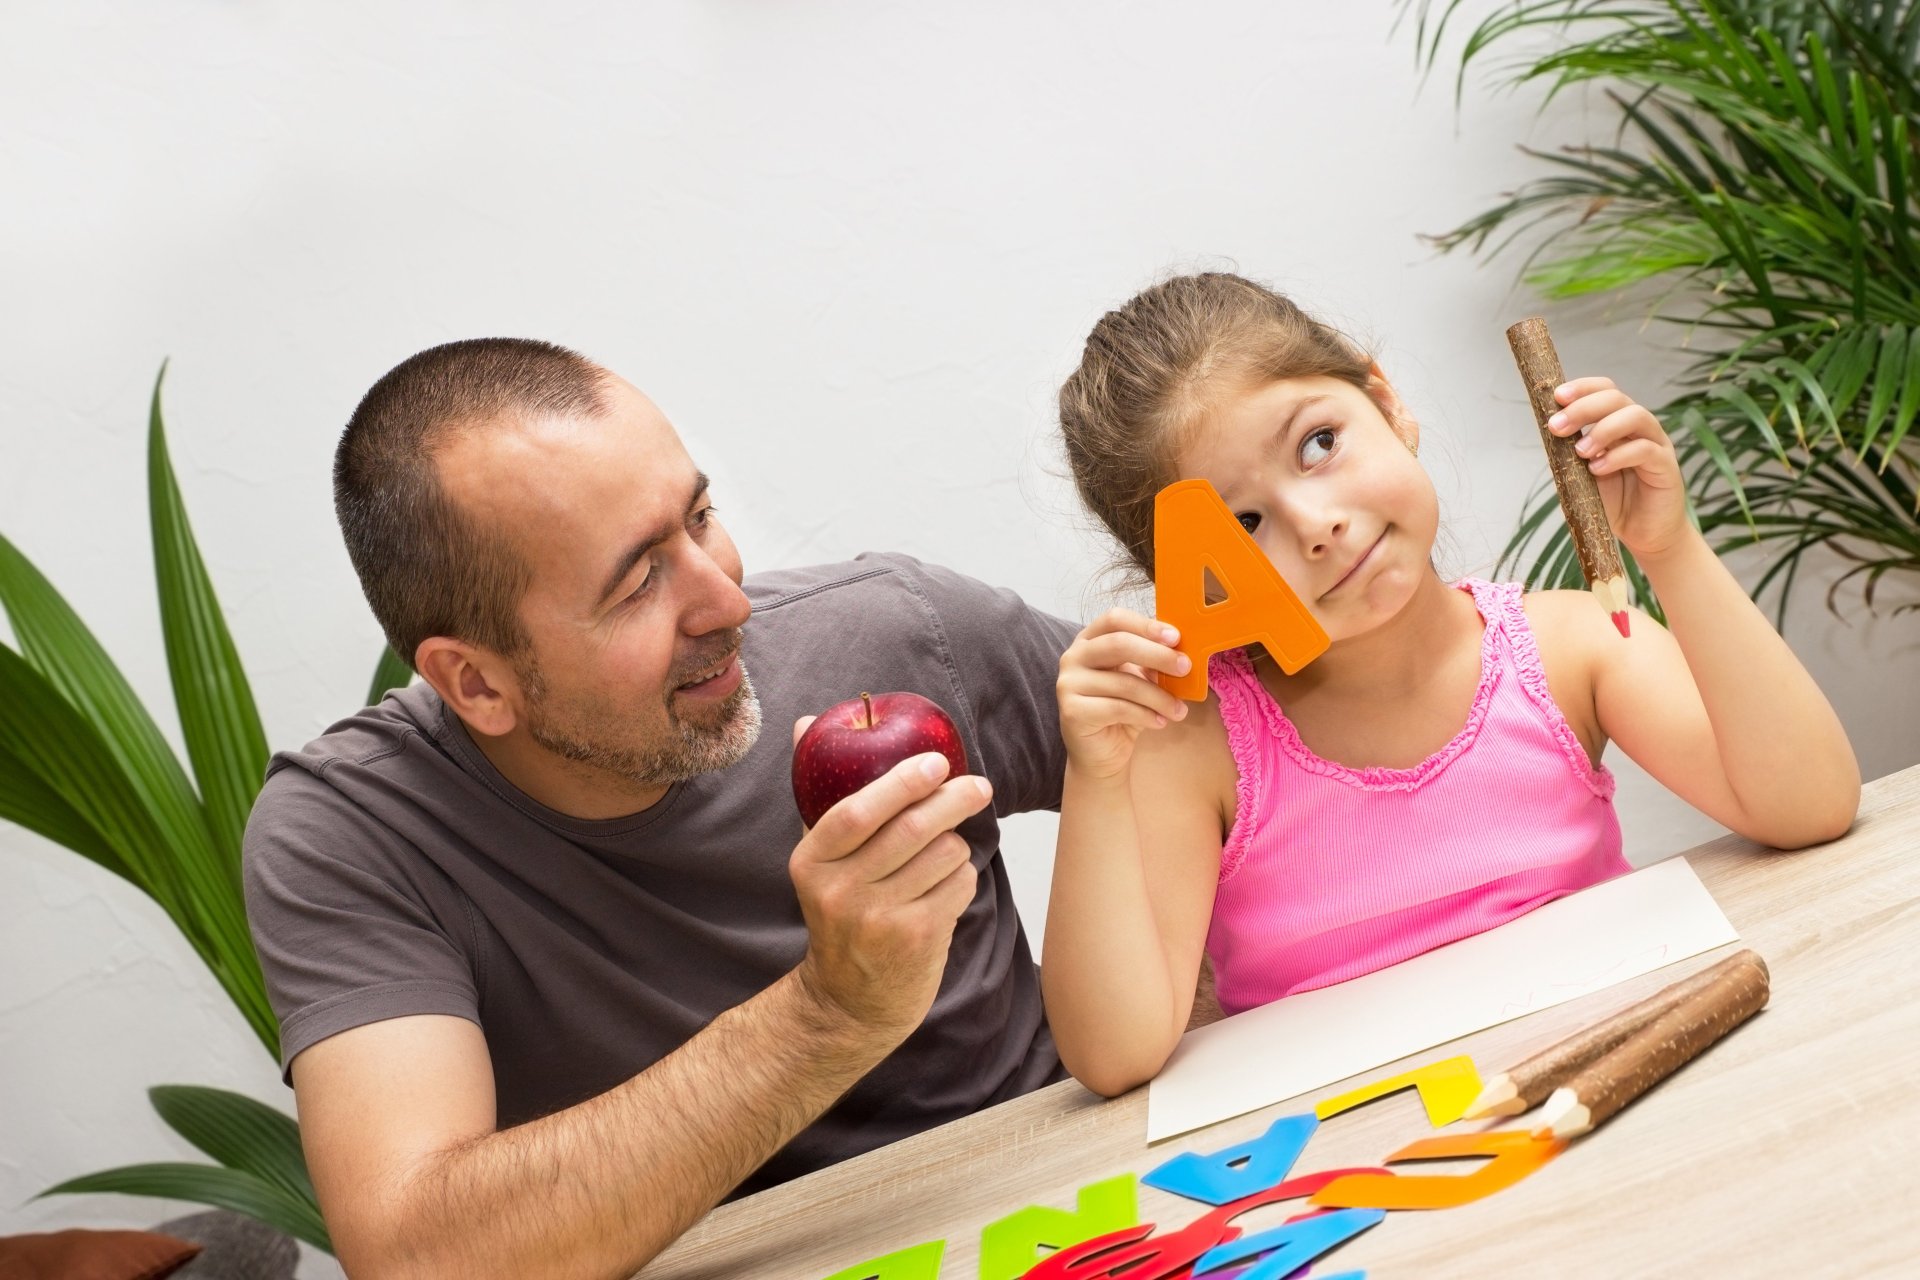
(716, 681)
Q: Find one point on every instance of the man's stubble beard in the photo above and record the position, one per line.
(684, 751)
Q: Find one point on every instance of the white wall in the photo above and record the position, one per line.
(851, 249)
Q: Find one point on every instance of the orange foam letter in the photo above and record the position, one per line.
(1193, 532)
(1516, 1153)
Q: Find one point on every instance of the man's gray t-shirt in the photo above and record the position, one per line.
(391, 870)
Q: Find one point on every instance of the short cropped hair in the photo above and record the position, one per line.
(428, 567)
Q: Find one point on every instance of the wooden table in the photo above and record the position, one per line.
(1787, 1150)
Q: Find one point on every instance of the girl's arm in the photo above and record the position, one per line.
(1717, 708)
(1138, 855)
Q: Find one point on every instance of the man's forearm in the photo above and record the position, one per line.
(600, 1188)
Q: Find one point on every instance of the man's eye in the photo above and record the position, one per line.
(640, 588)
(700, 517)
(1324, 439)
(1249, 520)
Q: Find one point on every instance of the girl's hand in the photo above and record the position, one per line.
(1107, 697)
(1632, 457)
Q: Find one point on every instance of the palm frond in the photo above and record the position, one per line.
(1761, 170)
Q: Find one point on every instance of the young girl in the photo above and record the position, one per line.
(1437, 771)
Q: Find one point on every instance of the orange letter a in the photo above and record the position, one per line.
(1193, 532)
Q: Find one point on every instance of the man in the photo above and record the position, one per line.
(556, 964)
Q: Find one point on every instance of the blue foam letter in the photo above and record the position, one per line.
(1293, 1246)
(1264, 1162)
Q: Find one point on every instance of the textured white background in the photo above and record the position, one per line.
(850, 248)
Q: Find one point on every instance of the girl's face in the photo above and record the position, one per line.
(1327, 484)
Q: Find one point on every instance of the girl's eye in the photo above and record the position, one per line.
(1249, 520)
(1323, 439)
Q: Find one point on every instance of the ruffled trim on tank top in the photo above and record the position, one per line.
(1230, 680)
(1382, 777)
(1231, 673)
(1509, 599)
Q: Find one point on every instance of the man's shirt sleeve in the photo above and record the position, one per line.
(344, 932)
(1007, 655)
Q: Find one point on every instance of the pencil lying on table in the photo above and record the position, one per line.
(1524, 1086)
(1579, 492)
(1656, 1051)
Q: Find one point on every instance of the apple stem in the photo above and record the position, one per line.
(867, 700)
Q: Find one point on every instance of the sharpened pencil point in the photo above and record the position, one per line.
(1498, 1098)
(1620, 622)
(1564, 1115)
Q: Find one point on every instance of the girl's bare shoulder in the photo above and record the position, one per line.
(1569, 628)
(1193, 754)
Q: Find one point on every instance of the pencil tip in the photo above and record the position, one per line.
(1620, 622)
(1565, 1116)
(1495, 1099)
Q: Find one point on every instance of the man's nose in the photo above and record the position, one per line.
(716, 601)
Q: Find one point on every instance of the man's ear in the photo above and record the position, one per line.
(477, 684)
(1404, 424)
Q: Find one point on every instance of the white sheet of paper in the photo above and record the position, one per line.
(1593, 939)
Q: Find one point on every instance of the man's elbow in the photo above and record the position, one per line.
(369, 1251)
(393, 1259)
(380, 1237)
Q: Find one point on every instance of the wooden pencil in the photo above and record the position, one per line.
(1579, 492)
(1526, 1084)
(1651, 1054)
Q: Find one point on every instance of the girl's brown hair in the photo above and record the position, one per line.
(1147, 377)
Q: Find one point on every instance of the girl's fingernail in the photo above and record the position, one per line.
(1562, 389)
(1183, 664)
(1583, 446)
(1169, 635)
(1557, 421)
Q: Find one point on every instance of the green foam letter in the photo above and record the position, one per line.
(1009, 1247)
(922, 1262)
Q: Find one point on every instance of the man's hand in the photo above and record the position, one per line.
(398, 1116)
(882, 879)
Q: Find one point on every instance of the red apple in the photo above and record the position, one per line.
(856, 741)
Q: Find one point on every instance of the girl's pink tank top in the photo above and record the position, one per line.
(1331, 872)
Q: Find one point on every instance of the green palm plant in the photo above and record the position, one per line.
(1761, 182)
(83, 764)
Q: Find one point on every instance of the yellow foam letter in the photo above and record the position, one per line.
(1447, 1089)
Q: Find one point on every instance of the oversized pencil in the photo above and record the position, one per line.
(1654, 1052)
(1525, 1085)
(1579, 491)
